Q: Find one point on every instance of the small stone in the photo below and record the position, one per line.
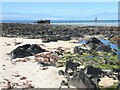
(22, 78)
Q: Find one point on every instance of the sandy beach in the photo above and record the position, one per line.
(29, 74)
(57, 45)
(34, 75)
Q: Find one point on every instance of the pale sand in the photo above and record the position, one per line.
(107, 82)
(40, 78)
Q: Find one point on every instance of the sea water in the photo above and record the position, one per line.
(71, 22)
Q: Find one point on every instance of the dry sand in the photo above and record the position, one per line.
(34, 75)
(30, 71)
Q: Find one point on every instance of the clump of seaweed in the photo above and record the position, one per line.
(101, 59)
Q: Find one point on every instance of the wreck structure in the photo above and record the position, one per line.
(43, 22)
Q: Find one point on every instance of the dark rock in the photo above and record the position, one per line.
(118, 77)
(103, 48)
(46, 41)
(20, 53)
(61, 72)
(94, 40)
(92, 46)
(66, 38)
(26, 50)
(116, 70)
(58, 31)
(118, 87)
(91, 71)
(43, 21)
(78, 49)
(63, 83)
(96, 80)
(71, 65)
(96, 45)
(93, 43)
(44, 64)
(78, 78)
(22, 78)
(34, 49)
(110, 36)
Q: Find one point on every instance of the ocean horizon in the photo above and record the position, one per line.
(69, 22)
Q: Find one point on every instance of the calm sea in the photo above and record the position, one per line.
(71, 22)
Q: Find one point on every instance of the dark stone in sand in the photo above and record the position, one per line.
(61, 72)
(44, 64)
(26, 50)
(71, 65)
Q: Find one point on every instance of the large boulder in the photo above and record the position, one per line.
(94, 40)
(92, 43)
(96, 45)
(26, 50)
(79, 80)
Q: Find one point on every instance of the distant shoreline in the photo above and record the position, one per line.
(71, 22)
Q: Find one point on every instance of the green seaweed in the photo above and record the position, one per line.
(89, 59)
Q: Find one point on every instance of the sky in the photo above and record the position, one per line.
(59, 10)
(60, 0)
